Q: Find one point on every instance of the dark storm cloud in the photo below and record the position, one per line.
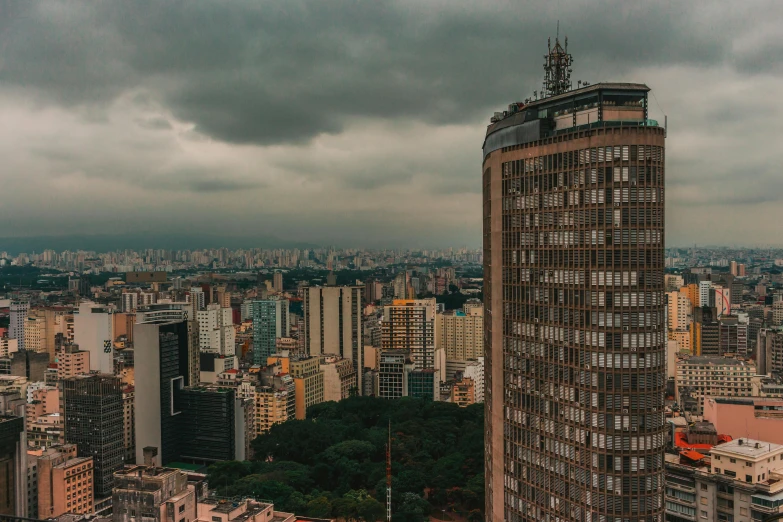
(271, 72)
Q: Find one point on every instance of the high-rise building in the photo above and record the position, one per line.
(461, 334)
(92, 408)
(161, 368)
(393, 369)
(167, 312)
(574, 308)
(129, 423)
(409, 324)
(333, 324)
(339, 378)
(277, 281)
(18, 317)
(270, 321)
(308, 379)
(216, 330)
(13, 466)
(733, 336)
(64, 481)
(679, 308)
(130, 301)
(92, 331)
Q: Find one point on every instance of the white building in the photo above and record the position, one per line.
(19, 312)
(216, 330)
(130, 301)
(92, 331)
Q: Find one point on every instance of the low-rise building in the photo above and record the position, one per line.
(65, 481)
(703, 376)
(463, 392)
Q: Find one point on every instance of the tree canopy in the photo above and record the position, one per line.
(334, 462)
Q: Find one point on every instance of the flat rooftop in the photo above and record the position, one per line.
(747, 448)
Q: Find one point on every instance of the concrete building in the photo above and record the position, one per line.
(13, 466)
(463, 392)
(129, 302)
(461, 334)
(65, 481)
(333, 324)
(679, 309)
(18, 317)
(275, 401)
(174, 312)
(410, 325)
(340, 378)
(769, 351)
(93, 412)
(702, 376)
(308, 379)
(270, 321)
(742, 416)
(733, 336)
(393, 369)
(277, 281)
(551, 167)
(161, 368)
(213, 364)
(153, 494)
(216, 330)
(129, 423)
(739, 481)
(93, 332)
(71, 361)
(213, 424)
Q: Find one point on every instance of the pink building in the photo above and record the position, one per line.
(748, 417)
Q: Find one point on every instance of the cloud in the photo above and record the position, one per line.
(358, 121)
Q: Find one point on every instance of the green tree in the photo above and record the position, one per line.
(370, 510)
(319, 508)
(344, 507)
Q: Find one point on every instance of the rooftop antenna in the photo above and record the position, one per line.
(557, 67)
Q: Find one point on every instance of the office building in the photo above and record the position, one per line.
(18, 317)
(161, 368)
(733, 336)
(308, 379)
(333, 324)
(213, 424)
(461, 334)
(769, 351)
(575, 321)
(679, 309)
(270, 321)
(71, 360)
(214, 364)
(92, 331)
(168, 312)
(13, 466)
(64, 481)
(340, 378)
(153, 494)
(703, 376)
(393, 369)
(423, 384)
(216, 330)
(197, 298)
(410, 325)
(129, 302)
(277, 281)
(93, 413)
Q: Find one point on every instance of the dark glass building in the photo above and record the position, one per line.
(575, 336)
(93, 414)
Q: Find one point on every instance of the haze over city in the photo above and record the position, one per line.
(358, 123)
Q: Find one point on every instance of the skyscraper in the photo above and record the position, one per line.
(574, 305)
(161, 364)
(92, 408)
(18, 317)
(270, 321)
(333, 323)
(409, 324)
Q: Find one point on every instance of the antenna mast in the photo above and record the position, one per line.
(388, 477)
(557, 67)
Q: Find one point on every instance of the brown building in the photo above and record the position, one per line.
(65, 481)
(152, 494)
(339, 378)
(574, 310)
(463, 393)
(72, 361)
(145, 277)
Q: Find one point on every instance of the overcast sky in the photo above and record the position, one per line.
(361, 122)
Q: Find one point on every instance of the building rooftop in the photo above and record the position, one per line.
(747, 448)
(715, 361)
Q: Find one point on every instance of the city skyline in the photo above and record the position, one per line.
(355, 124)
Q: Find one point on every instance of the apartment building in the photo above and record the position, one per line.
(704, 376)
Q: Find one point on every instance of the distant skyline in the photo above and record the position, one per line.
(359, 123)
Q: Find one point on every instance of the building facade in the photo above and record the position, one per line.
(409, 324)
(93, 411)
(333, 323)
(574, 307)
(270, 321)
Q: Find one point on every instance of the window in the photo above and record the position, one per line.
(717, 457)
(748, 464)
(182, 508)
(704, 487)
(703, 501)
(733, 461)
(748, 478)
(703, 514)
(730, 473)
